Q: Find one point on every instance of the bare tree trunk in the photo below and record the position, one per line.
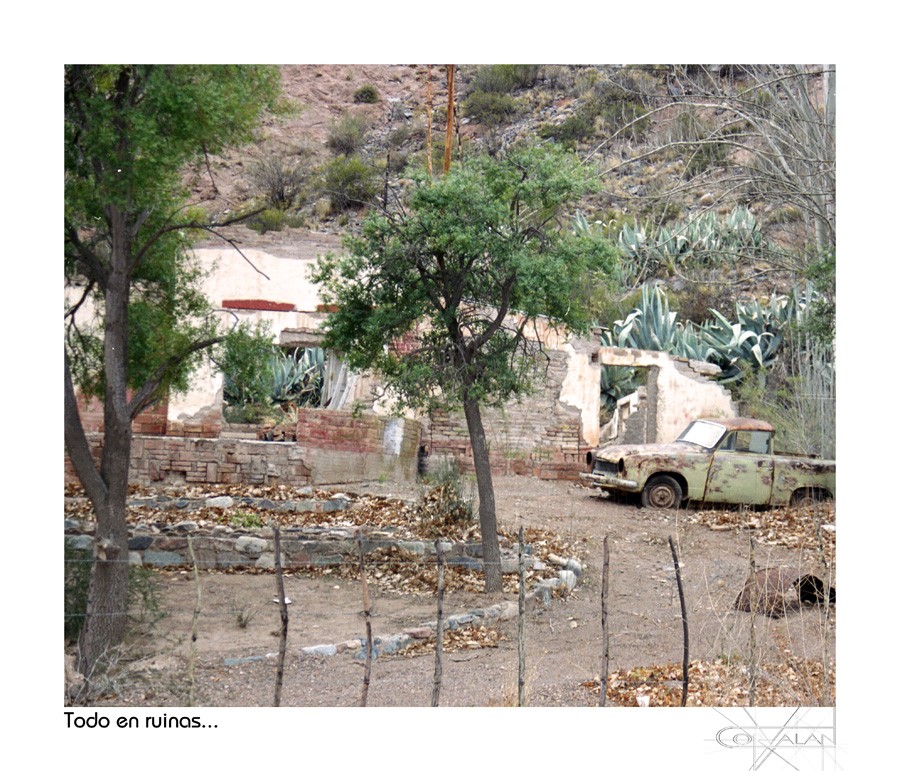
(104, 626)
(487, 510)
(428, 149)
(448, 146)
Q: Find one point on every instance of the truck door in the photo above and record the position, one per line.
(742, 469)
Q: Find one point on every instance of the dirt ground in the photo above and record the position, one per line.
(234, 664)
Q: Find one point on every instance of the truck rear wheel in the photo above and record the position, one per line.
(808, 495)
(661, 492)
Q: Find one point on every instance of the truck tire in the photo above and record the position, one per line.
(661, 492)
(808, 495)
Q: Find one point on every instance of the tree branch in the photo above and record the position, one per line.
(145, 394)
(77, 446)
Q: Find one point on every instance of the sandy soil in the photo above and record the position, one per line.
(235, 665)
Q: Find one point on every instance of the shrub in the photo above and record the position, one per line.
(248, 520)
(503, 78)
(578, 127)
(239, 359)
(266, 220)
(347, 135)
(491, 108)
(367, 94)
(349, 182)
(281, 183)
(448, 499)
(276, 219)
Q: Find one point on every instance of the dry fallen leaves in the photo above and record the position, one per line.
(721, 683)
(390, 569)
(797, 527)
(463, 639)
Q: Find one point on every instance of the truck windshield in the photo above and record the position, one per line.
(703, 434)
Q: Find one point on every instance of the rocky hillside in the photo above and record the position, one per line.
(670, 143)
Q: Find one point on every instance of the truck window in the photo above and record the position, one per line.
(749, 441)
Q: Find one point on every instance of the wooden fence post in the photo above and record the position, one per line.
(754, 604)
(604, 625)
(684, 624)
(193, 657)
(521, 689)
(282, 602)
(439, 629)
(367, 612)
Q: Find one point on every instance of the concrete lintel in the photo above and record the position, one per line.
(632, 357)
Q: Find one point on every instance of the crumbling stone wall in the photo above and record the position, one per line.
(540, 436)
(332, 446)
(678, 391)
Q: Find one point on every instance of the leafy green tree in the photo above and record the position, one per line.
(462, 272)
(129, 132)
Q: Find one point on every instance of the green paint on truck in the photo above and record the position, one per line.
(730, 461)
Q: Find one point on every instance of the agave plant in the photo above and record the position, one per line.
(756, 338)
(651, 326)
(753, 341)
(616, 382)
(298, 377)
(706, 240)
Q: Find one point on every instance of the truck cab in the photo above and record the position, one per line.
(729, 461)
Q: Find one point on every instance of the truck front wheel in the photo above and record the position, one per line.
(661, 492)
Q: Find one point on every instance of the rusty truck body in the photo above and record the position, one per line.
(727, 461)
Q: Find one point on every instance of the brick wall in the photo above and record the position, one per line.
(332, 446)
(150, 421)
(344, 447)
(541, 436)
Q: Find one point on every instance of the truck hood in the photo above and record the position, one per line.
(614, 452)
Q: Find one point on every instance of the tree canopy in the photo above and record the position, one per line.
(134, 315)
(471, 261)
(129, 132)
(439, 296)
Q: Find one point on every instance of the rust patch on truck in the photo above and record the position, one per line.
(730, 461)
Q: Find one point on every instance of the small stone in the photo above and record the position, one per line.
(162, 558)
(81, 542)
(320, 650)
(219, 502)
(140, 542)
(244, 660)
(567, 579)
(420, 632)
(251, 546)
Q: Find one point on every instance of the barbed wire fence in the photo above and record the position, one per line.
(431, 573)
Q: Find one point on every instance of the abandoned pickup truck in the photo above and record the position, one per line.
(729, 461)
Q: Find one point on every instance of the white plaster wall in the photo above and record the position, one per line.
(261, 276)
(205, 391)
(581, 389)
(681, 399)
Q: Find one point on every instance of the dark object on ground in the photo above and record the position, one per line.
(781, 590)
